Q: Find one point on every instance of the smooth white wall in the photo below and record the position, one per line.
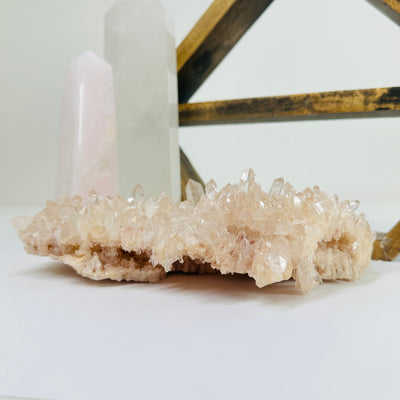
(294, 47)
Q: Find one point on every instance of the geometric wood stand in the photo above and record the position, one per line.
(211, 39)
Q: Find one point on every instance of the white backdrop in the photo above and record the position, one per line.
(294, 47)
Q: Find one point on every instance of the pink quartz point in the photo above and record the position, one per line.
(88, 142)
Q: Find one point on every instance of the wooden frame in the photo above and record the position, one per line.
(211, 39)
(391, 8)
(365, 103)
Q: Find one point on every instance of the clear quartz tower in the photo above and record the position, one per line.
(88, 143)
(140, 46)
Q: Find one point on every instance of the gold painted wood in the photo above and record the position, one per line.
(217, 31)
(211, 39)
(388, 247)
(187, 172)
(391, 8)
(326, 105)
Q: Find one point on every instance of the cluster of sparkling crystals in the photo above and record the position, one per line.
(308, 236)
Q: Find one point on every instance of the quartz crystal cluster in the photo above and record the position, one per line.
(308, 236)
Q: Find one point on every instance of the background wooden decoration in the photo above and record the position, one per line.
(391, 8)
(387, 247)
(329, 105)
(211, 39)
(187, 172)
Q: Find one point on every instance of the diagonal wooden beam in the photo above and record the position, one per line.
(387, 248)
(187, 172)
(211, 39)
(218, 30)
(326, 105)
(391, 8)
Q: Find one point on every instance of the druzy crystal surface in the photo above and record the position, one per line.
(308, 236)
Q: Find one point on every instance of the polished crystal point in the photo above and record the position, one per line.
(88, 144)
(140, 46)
(307, 236)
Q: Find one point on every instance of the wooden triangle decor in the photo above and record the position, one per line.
(211, 39)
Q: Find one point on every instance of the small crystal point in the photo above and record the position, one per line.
(88, 144)
(335, 198)
(297, 201)
(211, 189)
(316, 189)
(248, 176)
(277, 186)
(93, 197)
(288, 190)
(353, 205)
(194, 191)
(138, 193)
(246, 179)
(319, 207)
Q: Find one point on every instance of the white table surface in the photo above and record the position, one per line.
(196, 337)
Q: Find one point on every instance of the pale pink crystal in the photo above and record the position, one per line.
(88, 140)
(307, 236)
